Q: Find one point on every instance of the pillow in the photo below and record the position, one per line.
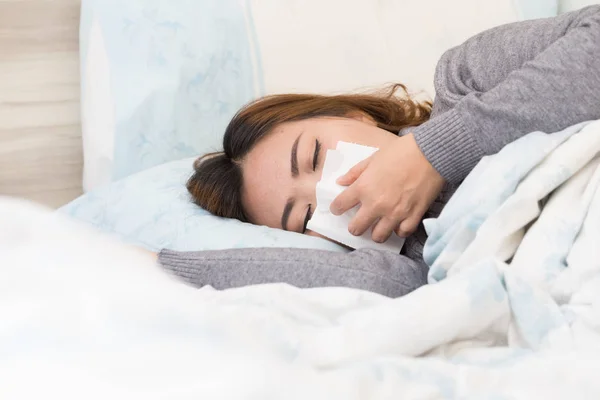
(162, 78)
(152, 209)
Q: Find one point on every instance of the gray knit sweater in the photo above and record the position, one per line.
(499, 85)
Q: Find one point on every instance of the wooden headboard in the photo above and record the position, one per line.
(40, 132)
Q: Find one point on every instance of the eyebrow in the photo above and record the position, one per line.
(286, 213)
(294, 157)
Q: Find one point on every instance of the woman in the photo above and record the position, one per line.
(499, 85)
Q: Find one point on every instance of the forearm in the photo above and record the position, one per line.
(382, 272)
(557, 85)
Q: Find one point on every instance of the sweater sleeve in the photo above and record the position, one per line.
(382, 272)
(540, 75)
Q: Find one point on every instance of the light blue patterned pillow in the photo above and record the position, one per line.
(152, 209)
(160, 81)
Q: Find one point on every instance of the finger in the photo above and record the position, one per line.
(362, 221)
(407, 227)
(345, 201)
(411, 221)
(383, 229)
(352, 175)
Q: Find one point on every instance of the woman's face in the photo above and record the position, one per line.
(281, 172)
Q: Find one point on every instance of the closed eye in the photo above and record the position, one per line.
(316, 155)
(307, 218)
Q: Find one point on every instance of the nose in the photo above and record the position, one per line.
(308, 188)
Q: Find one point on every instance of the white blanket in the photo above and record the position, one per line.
(511, 312)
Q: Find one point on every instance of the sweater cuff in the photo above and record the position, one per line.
(448, 146)
(176, 262)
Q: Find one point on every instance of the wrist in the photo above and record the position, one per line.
(448, 146)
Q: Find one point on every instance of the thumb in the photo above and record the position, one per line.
(352, 175)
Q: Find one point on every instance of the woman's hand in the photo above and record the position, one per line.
(394, 187)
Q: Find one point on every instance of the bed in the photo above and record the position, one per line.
(512, 311)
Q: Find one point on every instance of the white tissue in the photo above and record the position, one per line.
(337, 163)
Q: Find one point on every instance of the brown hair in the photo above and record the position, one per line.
(216, 184)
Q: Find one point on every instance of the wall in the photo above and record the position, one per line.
(40, 135)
